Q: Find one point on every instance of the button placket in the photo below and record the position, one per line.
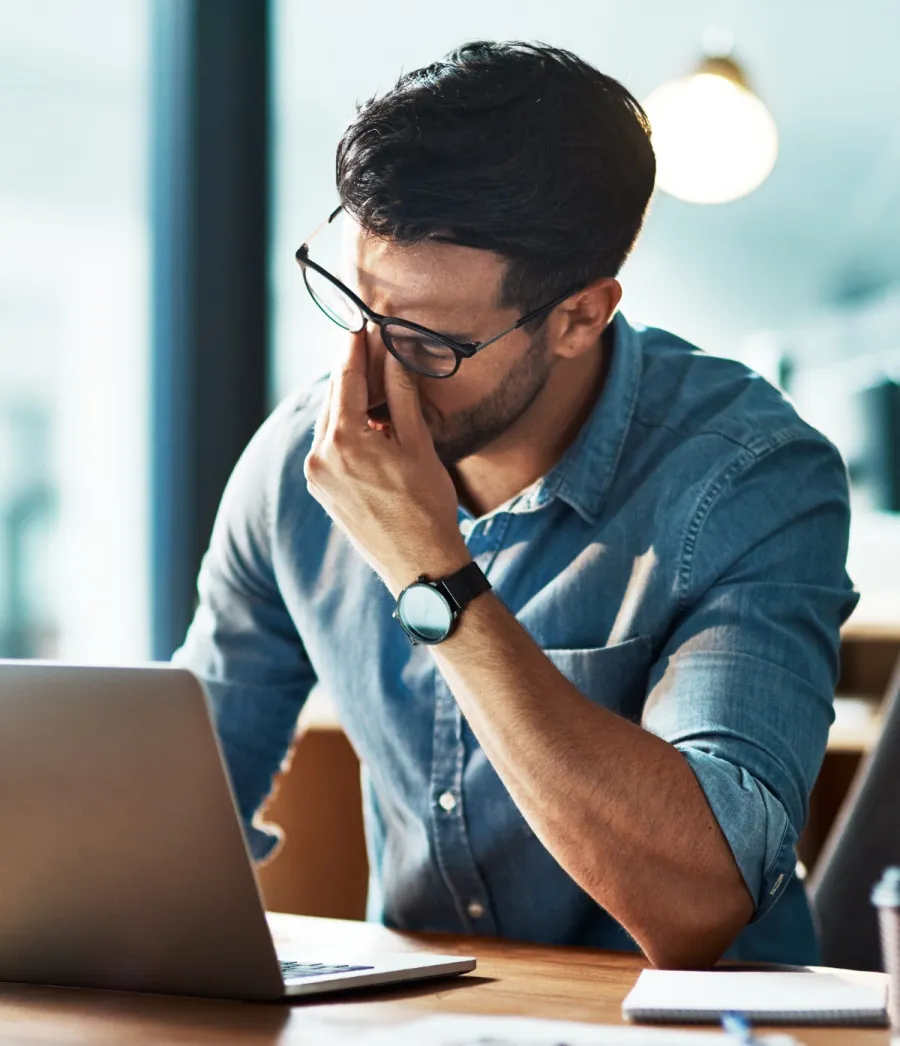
(451, 840)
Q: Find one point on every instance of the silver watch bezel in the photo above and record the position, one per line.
(414, 635)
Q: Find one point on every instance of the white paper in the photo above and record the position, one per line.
(753, 992)
(454, 1030)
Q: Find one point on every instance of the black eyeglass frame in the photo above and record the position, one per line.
(461, 350)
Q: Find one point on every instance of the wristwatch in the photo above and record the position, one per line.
(428, 610)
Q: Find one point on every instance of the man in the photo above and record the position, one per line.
(631, 554)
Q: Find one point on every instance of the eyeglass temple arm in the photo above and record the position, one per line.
(527, 318)
(320, 227)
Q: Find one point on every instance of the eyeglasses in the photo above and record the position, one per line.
(419, 349)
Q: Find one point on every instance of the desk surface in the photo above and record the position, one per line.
(519, 979)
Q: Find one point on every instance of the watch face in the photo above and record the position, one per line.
(425, 613)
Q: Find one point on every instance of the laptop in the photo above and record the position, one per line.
(122, 860)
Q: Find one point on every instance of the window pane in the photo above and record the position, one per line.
(73, 329)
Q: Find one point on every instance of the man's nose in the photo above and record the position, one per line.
(375, 351)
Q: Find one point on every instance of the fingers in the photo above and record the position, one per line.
(401, 390)
(350, 395)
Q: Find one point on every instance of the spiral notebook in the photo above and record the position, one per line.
(800, 997)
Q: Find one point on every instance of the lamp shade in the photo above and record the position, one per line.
(715, 141)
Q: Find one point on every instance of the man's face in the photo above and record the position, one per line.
(454, 291)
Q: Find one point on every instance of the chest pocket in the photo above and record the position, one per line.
(612, 676)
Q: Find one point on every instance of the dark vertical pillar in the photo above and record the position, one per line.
(209, 213)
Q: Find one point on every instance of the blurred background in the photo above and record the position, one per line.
(162, 160)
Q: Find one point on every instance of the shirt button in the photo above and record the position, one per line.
(475, 910)
(447, 802)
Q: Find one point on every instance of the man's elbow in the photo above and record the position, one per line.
(700, 941)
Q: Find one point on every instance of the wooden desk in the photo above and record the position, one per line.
(513, 979)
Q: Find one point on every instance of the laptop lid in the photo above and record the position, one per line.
(122, 862)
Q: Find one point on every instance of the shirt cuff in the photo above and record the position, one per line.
(755, 823)
(264, 840)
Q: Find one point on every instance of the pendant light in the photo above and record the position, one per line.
(715, 141)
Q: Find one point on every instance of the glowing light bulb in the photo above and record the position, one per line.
(714, 139)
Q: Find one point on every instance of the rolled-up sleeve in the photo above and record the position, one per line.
(744, 688)
(243, 644)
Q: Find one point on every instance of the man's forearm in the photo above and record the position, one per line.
(618, 807)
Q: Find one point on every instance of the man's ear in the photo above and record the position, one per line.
(581, 319)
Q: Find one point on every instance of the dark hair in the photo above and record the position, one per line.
(518, 148)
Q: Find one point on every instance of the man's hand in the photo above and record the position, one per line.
(385, 486)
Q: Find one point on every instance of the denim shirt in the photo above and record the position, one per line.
(683, 565)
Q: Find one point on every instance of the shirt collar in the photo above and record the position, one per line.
(583, 474)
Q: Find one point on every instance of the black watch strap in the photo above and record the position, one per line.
(463, 586)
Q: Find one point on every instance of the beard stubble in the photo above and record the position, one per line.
(471, 430)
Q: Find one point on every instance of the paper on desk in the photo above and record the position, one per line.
(453, 1030)
(767, 996)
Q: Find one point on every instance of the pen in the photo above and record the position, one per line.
(738, 1027)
